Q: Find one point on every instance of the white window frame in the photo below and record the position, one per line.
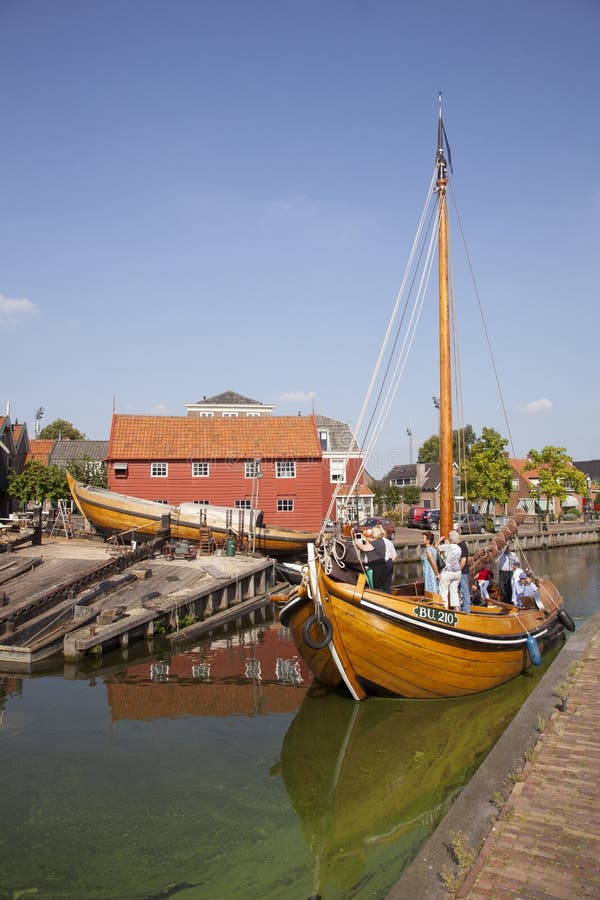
(196, 470)
(159, 470)
(324, 439)
(337, 470)
(285, 468)
(285, 504)
(242, 504)
(251, 469)
(207, 415)
(230, 415)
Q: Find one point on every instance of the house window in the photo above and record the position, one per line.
(251, 415)
(242, 504)
(514, 485)
(202, 502)
(159, 470)
(285, 468)
(166, 502)
(324, 439)
(402, 482)
(337, 470)
(285, 506)
(252, 469)
(230, 415)
(120, 469)
(200, 470)
(206, 415)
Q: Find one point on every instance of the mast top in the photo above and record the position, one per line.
(442, 142)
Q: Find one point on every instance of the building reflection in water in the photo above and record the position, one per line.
(255, 672)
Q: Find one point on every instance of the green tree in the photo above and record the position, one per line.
(410, 494)
(378, 495)
(462, 441)
(487, 473)
(60, 429)
(429, 451)
(89, 472)
(392, 496)
(555, 472)
(38, 482)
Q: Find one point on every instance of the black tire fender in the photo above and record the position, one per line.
(566, 620)
(327, 632)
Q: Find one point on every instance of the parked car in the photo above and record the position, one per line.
(414, 515)
(471, 523)
(388, 524)
(430, 520)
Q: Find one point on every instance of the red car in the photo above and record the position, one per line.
(388, 524)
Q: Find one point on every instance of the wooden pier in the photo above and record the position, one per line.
(74, 599)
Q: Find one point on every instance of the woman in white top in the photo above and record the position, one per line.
(450, 574)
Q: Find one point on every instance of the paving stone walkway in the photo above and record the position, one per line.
(546, 841)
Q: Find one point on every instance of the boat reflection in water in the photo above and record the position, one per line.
(213, 679)
(361, 776)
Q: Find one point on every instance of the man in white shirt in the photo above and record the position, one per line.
(507, 562)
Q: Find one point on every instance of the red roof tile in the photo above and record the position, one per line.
(186, 437)
(40, 450)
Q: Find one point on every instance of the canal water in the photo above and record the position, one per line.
(220, 772)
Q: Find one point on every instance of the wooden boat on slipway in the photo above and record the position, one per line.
(112, 513)
(406, 643)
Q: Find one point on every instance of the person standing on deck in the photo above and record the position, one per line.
(463, 587)
(507, 562)
(429, 562)
(390, 555)
(450, 574)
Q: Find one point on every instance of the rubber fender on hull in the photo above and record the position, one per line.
(325, 624)
(534, 650)
(566, 620)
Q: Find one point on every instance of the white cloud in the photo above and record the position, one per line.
(12, 310)
(297, 397)
(537, 406)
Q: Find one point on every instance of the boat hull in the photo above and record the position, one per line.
(112, 513)
(412, 647)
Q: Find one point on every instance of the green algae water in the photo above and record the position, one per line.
(220, 772)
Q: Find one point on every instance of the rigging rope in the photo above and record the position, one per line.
(381, 406)
(484, 324)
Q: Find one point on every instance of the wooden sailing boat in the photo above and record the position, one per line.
(112, 513)
(405, 642)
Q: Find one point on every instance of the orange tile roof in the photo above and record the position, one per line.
(40, 450)
(186, 437)
(16, 431)
(521, 464)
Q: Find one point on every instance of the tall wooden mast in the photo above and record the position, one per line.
(446, 491)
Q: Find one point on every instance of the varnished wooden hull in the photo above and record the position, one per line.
(412, 647)
(110, 512)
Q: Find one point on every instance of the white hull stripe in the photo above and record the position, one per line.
(341, 670)
(459, 635)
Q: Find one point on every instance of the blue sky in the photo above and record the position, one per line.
(207, 196)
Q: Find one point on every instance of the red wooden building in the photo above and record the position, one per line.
(273, 463)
